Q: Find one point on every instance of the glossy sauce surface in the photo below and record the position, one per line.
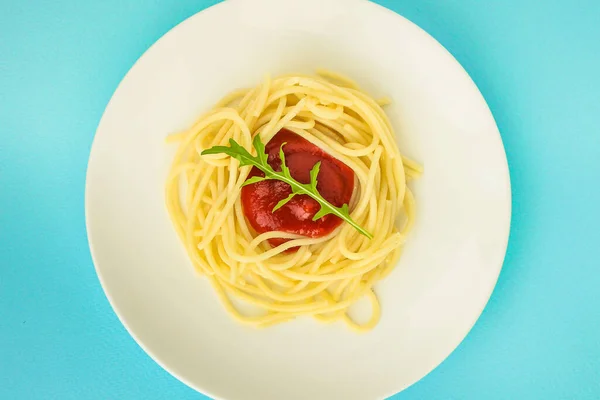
(335, 183)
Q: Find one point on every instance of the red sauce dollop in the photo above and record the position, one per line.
(335, 183)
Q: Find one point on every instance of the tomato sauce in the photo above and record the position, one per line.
(335, 183)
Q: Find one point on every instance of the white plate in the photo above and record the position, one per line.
(451, 261)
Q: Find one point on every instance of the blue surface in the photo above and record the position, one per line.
(536, 63)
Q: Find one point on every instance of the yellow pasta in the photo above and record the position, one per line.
(326, 275)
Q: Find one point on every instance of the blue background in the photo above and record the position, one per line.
(537, 64)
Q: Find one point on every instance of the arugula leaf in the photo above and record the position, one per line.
(260, 161)
(282, 202)
(254, 179)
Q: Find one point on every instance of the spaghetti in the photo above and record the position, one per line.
(326, 275)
